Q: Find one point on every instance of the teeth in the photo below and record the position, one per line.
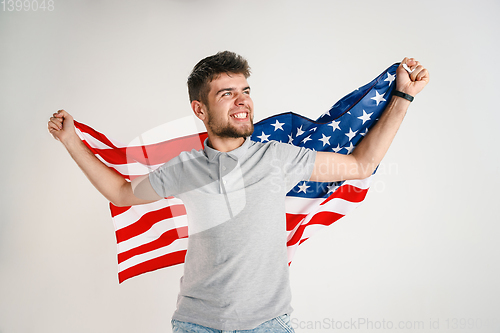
(240, 115)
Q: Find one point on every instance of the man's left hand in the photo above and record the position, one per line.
(412, 83)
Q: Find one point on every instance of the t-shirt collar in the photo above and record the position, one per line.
(236, 154)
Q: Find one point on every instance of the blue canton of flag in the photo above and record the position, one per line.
(339, 129)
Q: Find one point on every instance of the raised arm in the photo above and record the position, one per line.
(329, 166)
(113, 186)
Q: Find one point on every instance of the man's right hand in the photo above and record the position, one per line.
(61, 126)
(112, 185)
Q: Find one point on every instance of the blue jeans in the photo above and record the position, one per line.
(276, 325)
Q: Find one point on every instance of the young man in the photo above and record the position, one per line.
(236, 272)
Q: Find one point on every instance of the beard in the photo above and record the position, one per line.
(229, 131)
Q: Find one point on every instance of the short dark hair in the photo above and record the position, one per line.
(211, 68)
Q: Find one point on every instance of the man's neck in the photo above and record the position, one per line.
(224, 144)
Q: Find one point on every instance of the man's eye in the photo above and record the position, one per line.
(226, 94)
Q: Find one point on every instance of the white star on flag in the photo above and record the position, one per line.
(335, 125)
(365, 117)
(350, 148)
(303, 187)
(378, 98)
(263, 137)
(364, 133)
(390, 78)
(332, 187)
(351, 134)
(337, 149)
(325, 139)
(277, 125)
(299, 131)
(308, 138)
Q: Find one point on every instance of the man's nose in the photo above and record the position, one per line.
(240, 99)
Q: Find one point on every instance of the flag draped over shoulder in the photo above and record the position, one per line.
(155, 235)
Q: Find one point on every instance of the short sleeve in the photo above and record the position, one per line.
(165, 179)
(297, 163)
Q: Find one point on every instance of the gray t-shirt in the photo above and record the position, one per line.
(236, 267)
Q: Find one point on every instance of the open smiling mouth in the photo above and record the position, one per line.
(240, 115)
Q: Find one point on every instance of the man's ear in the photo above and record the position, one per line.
(199, 110)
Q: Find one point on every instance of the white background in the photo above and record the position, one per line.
(423, 249)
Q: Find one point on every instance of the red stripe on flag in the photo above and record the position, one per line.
(166, 260)
(323, 218)
(293, 219)
(162, 152)
(165, 239)
(349, 193)
(92, 132)
(152, 154)
(115, 210)
(147, 221)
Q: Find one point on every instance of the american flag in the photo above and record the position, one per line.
(155, 235)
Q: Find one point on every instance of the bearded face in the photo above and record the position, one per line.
(230, 109)
(230, 129)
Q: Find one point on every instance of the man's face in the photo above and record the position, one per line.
(230, 108)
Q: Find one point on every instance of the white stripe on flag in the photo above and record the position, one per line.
(298, 205)
(310, 230)
(130, 169)
(93, 142)
(173, 129)
(337, 205)
(360, 183)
